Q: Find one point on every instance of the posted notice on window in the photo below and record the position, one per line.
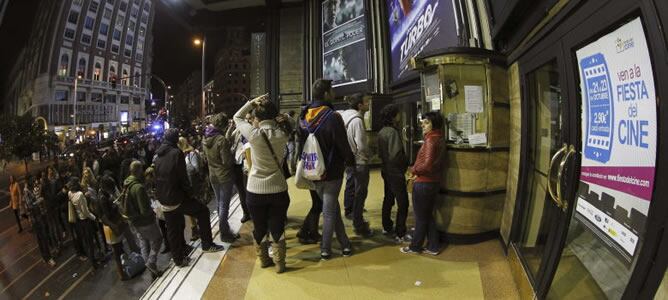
(474, 98)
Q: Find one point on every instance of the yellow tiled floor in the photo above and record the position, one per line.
(377, 270)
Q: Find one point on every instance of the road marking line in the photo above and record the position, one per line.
(47, 277)
(19, 277)
(71, 288)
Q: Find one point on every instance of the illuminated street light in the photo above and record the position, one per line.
(197, 41)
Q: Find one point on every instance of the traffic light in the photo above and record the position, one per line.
(113, 81)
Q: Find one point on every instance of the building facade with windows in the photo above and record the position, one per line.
(100, 48)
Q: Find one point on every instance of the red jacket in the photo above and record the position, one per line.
(430, 160)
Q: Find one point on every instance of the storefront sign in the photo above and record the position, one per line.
(344, 42)
(619, 132)
(257, 71)
(418, 26)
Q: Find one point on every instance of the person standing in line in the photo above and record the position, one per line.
(320, 119)
(427, 170)
(238, 151)
(193, 168)
(221, 173)
(395, 162)
(267, 195)
(15, 199)
(149, 184)
(173, 193)
(84, 224)
(33, 202)
(142, 218)
(51, 189)
(353, 119)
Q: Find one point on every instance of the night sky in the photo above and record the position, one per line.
(174, 58)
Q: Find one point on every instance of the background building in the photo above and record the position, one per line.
(231, 85)
(108, 43)
(187, 102)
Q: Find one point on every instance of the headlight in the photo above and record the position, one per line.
(71, 154)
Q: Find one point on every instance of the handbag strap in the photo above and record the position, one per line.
(266, 140)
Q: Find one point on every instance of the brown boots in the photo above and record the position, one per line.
(262, 252)
(279, 255)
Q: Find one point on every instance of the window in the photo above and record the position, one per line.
(109, 98)
(119, 21)
(131, 26)
(81, 96)
(117, 35)
(104, 29)
(64, 64)
(81, 69)
(146, 6)
(89, 23)
(96, 97)
(123, 7)
(112, 72)
(137, 79)
(102, 44)
(93, 6)
(125, 99)
(69, 33)
(97, 73)
(140, 47)
(144, 18)
(142, 31)
(61, 95)
(139, 57)
(85, 38)
(127, 52)
(74, 17)
(134, 12)
(107, 13)
(136, 100)
(129, 40)
(115, 48)
(77, 2)
(112, 2)
(125, 80)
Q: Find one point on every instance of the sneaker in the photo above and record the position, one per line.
(325, 256)
(307, 241)
(388, 232)
(407, 250)
(364, 231)
(403, 239)
(194, 237)
(183, 263)
(51, 262)
(430, 252)
(213, 248)
(347, 252)
(83, 258)
(229, 237)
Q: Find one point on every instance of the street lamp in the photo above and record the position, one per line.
(197, 42)
(74, 117)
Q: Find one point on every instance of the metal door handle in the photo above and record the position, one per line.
(549, 174)
(571, 151)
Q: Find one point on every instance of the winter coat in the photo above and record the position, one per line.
(391, 151)
(335, 148)
(15, 195)
(430, 160)
(171, 179)
(357, 137)
(218, 154)
(139, 204)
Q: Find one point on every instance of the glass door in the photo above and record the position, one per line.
(542, 213)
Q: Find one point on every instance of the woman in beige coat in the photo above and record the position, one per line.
(15, 196)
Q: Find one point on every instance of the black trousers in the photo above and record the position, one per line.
(312, 219)
(176, 225)
(240, 184)
(269, 213)
(395, 188)
(86, 235)
(18, 219)
(40, 229)
(424, 199)
(163, 229)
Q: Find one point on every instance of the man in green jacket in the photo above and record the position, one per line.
(140, 215)
(221, 164)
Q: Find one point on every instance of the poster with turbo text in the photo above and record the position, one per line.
(417, 26)
(619, 136)
(344, 42)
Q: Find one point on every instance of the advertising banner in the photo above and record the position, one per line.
(344, 59)
(416, 26)
(619, 136)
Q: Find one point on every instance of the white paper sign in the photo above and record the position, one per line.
(619, 134)
(478, 139)
(473, 97)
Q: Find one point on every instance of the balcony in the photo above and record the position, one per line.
(100, 84)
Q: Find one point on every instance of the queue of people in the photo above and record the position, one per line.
(135, 199)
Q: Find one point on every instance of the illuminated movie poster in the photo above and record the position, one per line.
(619, 136)
(417, 26)
(344, 42)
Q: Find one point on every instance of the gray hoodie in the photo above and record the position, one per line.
(357, 136)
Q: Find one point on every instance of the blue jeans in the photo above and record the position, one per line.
(424, 199)
(329, 191)
(223, 194)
